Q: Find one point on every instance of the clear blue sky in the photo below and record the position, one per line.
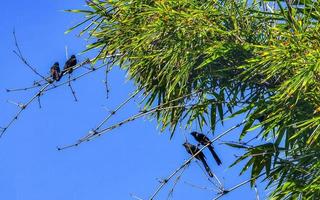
(128, 160)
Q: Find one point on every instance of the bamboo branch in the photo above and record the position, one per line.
(23, 89)
(23, 107)
(19, 54)
(237, 186)
(46, 88)
(170, 194)
(94, 133)
(190, 159)
(71, 88)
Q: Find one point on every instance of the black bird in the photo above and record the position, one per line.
(55, 71)
(204, 140)
(191, 149)
(261, 118)
(68, 66)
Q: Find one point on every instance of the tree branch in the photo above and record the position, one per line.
(237, 186)
(46, 88)
(191, 158)
(19, 54)
(93, 134)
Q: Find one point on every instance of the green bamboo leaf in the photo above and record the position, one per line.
(213, 117)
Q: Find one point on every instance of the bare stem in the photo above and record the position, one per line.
(19, 54)
(237, 186)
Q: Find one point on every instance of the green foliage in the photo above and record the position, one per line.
(209, 58)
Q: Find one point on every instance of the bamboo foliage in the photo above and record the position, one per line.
(258, 58)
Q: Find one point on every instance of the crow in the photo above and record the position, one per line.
(191, 149)
(261, 118)
(55, 71)
(204, 140)
(71, 62)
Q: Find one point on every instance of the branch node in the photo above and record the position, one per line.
(143, 111)
(93, 132)
(225, 192)
(36, 83)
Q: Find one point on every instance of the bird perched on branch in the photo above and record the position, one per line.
(191, 149)
(55, 71)
(204, 140)
(261, 118)
(71, 62)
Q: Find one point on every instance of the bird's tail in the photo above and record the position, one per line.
(206, 166)
(215, 156)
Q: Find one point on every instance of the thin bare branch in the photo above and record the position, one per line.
(257, 192)
(23, 108)
(117, 109)
(71, 88)
(44, 89)
(19, 54)
(170, 194)
(199, 187)
(237, 186)
(39, 102)
(39, 83)
(94, 133)
(23, 89)
(135, 197)
(216, 179)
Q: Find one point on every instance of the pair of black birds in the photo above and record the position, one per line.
(192, 149)
(55, 72)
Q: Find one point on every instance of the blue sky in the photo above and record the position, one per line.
(128, 160)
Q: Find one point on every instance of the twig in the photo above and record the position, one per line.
(116, 110)
(39, 84)
(94, 133)
(237, 186)
(71, 88)
(39, 102)
(191, 158)
(23, 108)
(106, 83)
(199, 187)
(91, 135)
(135, 197)
(220, 187)
(85, 73)
(113, 112)
(170, 194)
(257, 192)
(20, 105)
(23, 89)
(19, 54)
(38, 94)
(74, 79)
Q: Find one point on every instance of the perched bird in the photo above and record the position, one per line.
(191, 149)
(55, 71)
(204, 140)
(261, 118)
(71, 62)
